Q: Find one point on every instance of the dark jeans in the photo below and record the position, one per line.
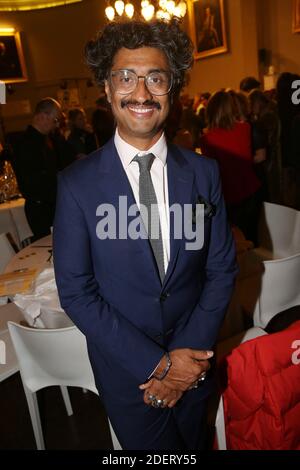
(40, 217)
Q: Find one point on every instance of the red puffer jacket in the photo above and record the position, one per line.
(262, 397)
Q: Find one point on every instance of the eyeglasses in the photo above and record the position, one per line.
(125, 82)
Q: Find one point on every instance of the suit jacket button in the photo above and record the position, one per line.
(164, 296)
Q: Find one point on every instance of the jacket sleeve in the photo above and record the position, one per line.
(201, 329)
(103, 325)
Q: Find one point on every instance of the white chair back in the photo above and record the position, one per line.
(279, 290)
(6, 251)
(278, 232)
(52, 357)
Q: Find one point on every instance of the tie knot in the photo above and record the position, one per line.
(144, 161)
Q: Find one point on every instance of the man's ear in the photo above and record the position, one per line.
(107, 91)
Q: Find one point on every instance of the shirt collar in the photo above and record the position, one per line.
(127, 152)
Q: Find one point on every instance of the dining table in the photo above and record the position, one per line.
(40, 303)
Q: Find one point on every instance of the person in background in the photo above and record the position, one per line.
(80, 139)
(36, 165)
(149, 306)
(229, 141)
(295, 158)
(242, 113)
(66, 154)
(248, 84)
(288, 111)
(200, 113)
(103, 122)
(265, 120)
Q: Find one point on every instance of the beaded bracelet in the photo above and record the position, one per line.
(166, 369)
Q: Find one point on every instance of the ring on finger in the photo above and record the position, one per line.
(199, 380)
(158, 403)
(151, 397)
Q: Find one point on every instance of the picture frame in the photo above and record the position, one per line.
(296, 16)
(207, 27)
(12, 63)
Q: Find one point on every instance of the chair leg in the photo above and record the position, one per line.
(116, 443)
(33, 408)
(220, 426)
(66, 398)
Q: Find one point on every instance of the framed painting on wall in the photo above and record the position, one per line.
(12, 63)
(207, 27)
(296, 16)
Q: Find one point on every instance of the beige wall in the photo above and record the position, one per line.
(227, 70)
(275, 34)
(53, 41)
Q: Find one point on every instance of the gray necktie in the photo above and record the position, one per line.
(148, 199)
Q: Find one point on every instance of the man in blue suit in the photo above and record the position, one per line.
(148, 296)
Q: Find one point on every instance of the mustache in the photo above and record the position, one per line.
(136, 103)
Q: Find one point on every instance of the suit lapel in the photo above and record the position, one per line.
(113, 184)
(180, 186)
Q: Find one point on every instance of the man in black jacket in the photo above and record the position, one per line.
(36, 167)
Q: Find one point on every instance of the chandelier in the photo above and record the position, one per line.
(150, 9)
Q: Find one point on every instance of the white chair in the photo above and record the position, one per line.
(272, 291)
(224, 348)
(52, 357)
(6, 251)
(279, 232)
(280, 289)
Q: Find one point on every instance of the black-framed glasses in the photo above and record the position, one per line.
(125, 81)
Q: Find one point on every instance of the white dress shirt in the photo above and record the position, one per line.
(159, 178)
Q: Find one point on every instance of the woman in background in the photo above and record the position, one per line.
(80, 138)
(229, 141)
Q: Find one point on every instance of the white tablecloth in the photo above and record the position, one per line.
(13, 220)
(40, 306)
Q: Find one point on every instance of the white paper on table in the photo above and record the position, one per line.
(41, 306)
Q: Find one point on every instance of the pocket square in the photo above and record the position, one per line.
(209, 208)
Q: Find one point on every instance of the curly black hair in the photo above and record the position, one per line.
(168, 37)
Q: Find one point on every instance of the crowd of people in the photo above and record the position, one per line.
(52, 141)
(251, 133)
(254, 137)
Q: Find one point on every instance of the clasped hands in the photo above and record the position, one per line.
(188, 368)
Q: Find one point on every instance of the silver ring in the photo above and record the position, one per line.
(202, 376)
(201, 379)
(157, 403)
(151, 397)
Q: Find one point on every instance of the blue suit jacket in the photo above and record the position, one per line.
(111, 288)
